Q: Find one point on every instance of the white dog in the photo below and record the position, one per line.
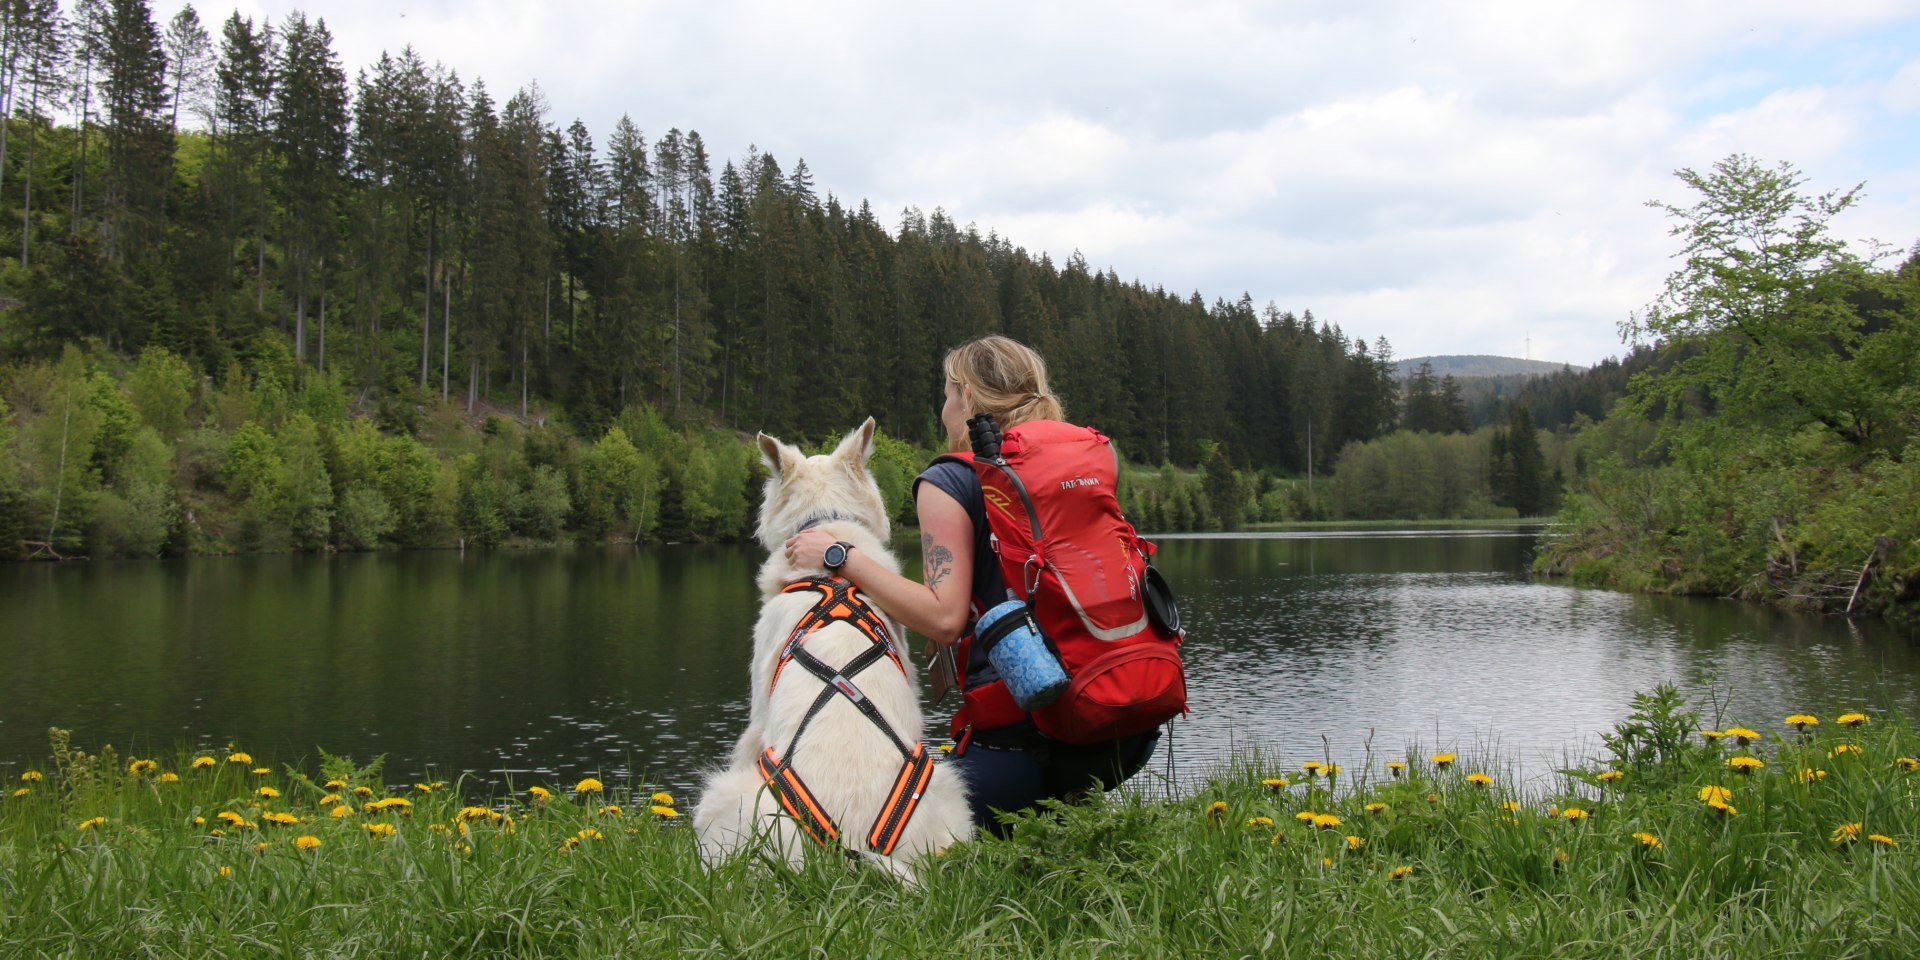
(859, 754)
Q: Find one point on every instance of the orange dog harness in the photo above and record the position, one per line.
(841, 603)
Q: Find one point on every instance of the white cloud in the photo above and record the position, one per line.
(1450, 175)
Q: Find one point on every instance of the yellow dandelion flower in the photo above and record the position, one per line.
(342, 811)
(590, 834)
(1647, 840)
(1711, 735)
(946, 748)
(249, 825)
(1479, 779)
(1305, 816)
(1743, 735)
(462, 848)
(539, 793)
(140, 768)
(262, 846)
(1710, 793)
(1909, 764)
(216, 832)
(1553, 811)
(1721, 807)
(203, 763)
(1803, 720)
(1355, 843)
(95, 822)
(1312, 767)
(1259, 821)
(569, 843)
(1574, 813)
(442, 828)
(21, 792)
(268, 792)
(473, 813)
(1376, 808)
(1851, 719)
(199, 821)
(1333, 769)
(169, 777)
(226, 871)
(231, 818)
(380, 829)
(1443, 759)
(663, 798)
(1511, 806)
(1326, 821)
(306, 843)
(330, 799)
(280, 819)
(1745, 765)
(589, 785)
(662, 810)
(336, 784)
(1400, 872)
(1560, 856)
(1326, 861)
(262, 771)
(610, 810)
(1844, 749)
(1610, 776)
(1846, 833)
(1810, 775)
(1882, 839)
(1275, 783)
(363, 791)
(1278, 836)
(240, 758)
(1216, 808)
(1395, 767)
(31, 776)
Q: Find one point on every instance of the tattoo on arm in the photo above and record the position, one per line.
(939, 561)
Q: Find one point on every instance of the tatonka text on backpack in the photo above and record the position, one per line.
(1086, 577)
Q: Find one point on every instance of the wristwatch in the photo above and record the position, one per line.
(836, 555)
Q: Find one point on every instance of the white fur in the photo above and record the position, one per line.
(844, 759)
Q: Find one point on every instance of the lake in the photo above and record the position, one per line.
(543, 666)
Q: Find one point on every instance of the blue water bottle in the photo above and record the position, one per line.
(1021, 655)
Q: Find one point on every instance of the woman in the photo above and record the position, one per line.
(1007, 768)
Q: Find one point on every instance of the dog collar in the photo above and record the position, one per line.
(820, 518)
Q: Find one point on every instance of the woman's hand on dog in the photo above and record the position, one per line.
(807, 549)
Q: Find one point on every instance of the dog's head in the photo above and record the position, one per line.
(829, 487)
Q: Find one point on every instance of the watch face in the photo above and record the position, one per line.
(835, 556)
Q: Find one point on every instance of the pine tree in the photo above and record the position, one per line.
(189, 62)
(309, 135)
(39, 36)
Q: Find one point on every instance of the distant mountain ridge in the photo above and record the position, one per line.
(1477, 365)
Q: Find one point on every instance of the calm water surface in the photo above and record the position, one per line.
(543, 666)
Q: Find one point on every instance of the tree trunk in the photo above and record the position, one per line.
(26, 213)
(446, 332)
(323, 328)
(426, 316)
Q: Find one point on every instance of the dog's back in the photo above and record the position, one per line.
(843, 760)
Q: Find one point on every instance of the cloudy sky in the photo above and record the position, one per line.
(1458, 177)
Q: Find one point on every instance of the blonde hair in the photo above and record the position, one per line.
(1008, 378)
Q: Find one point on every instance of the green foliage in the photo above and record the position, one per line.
(1812, 862)
(162, 388)
(365, 519)
(1769, 453)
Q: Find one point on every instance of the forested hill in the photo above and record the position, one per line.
(421, 238)
(1476, 365)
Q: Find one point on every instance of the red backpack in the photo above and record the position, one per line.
(1068, 552)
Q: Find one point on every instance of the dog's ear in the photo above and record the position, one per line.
(780, 458)
(857, 447)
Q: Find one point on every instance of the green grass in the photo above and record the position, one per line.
(1193, 876)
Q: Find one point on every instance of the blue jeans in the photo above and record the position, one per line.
(1007, 777)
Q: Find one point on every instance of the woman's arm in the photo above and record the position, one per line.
(936, 609)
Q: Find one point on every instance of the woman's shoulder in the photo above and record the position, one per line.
(954, 477)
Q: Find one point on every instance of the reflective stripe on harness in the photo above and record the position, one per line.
(892, 821)
(841, 603)
(797, 799)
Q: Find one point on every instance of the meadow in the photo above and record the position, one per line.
(1683, 838)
